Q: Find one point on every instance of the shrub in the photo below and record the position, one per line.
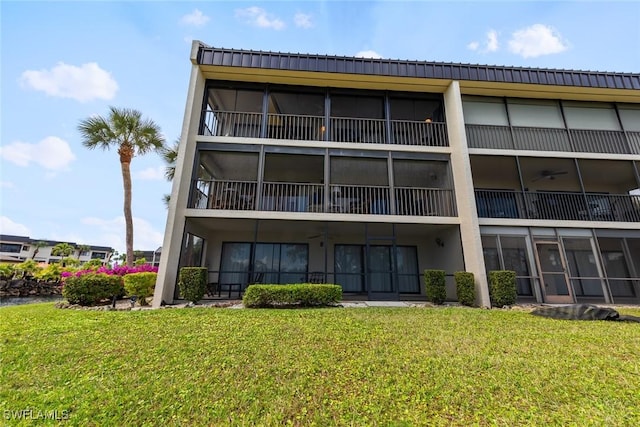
(92, 288)
(193, 283)
(301, 295)
(27, 269)
(502, 287)
(140, 261)
(51, 273)
(140, 285)
(92, 264)
(434, 285)
(7, 271)
(465, 287)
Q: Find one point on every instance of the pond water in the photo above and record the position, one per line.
(9, 301)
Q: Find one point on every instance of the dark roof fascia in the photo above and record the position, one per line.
(14, 239)
(420, 69)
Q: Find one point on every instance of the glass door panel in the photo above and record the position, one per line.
(349, 268)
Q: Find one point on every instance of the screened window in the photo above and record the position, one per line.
(484, 111)
(583, 269)
(617, 267)
(10, 247)
(591, 116)
(630, 118)
(534, 113)
(418, 110)
(191, 253)
(509, 253)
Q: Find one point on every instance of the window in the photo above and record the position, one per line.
(13, 248)
(278, 262)
(510, 254)
(350, 273)
(25, 248)
(583, 269)
(630, 117)
(98, 255)
(191, 253)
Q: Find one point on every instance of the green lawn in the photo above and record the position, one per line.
(373, 366)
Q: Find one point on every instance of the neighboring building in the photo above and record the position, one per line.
(17, 249)
(150, 257)
(365, 172)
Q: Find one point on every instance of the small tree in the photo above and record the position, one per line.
(82, 248)
(193, 283)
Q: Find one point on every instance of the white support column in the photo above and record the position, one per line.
(172, 244)
(464, 191)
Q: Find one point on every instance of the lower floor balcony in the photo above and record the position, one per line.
(384, 261)
(554, 205)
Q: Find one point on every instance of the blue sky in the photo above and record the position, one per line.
(64, 61)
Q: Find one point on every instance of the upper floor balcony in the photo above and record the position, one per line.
(308, 115)
(297, 183)
(556, 189)
(552, 126)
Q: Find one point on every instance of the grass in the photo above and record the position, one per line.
(373, 366)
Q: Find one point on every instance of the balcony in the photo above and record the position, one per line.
(305, 197)
(317, 128)
(549, 205)
(553, 139)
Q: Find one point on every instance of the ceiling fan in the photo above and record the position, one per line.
(549, 174)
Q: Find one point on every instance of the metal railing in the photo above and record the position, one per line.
(429, 134)
(315, 128)
(292, 197)
(552, 139)
(558, 206)
(359, 199)
(425, 201)
(290, 126)
(216, 194)
(348, 129)
(231, 123)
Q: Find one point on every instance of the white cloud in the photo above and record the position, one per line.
(490, 44)
(302, 20)
(9, 227)
(83, 83)
(51, 153)
(195, 18)
(111, 232)
(537, 40)
(151, 174)
(259, 17)
(368, 54)
(6, 184)
(492, 41)
(473, 45)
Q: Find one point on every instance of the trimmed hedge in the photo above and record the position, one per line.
(193, 283)
(465, 287)
(502, 287)
(435, 286)
(299, 295)
(140, 285)
(92, 288)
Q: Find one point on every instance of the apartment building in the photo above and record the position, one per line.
(16, 249)
(365, 172)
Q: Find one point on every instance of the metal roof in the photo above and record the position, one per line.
(402, 68)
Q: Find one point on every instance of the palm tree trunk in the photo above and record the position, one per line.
(128, 217)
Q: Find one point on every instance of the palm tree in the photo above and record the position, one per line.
(126, 130)
(81, 249)
(63, 250)
(170, 155)
(37, 245)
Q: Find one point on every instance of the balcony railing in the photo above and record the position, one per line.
(551, 139)
(304, 197)
(316, 128)
(558, 206)
(231, 195)
(425, 201)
